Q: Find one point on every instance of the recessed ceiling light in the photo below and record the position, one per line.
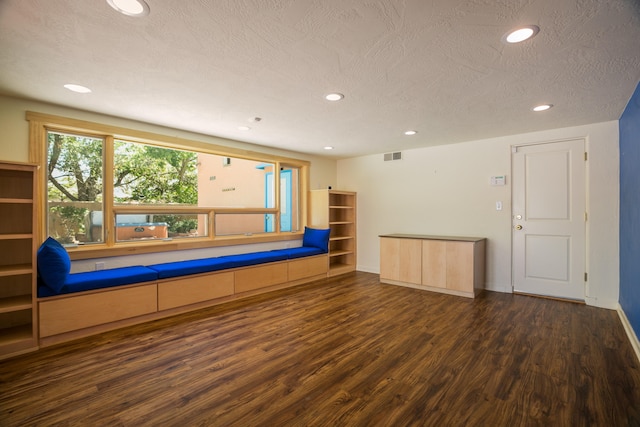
(77, 88)
(521, 34)
(244, 128)
(543, 107)
(130, 7)
(334, 97)
(328, 147)
(410, 132)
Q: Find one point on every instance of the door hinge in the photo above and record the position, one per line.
(586, 156)
(585, 216)
(586, 276)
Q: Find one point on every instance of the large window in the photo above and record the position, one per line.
(104, 189)
(74, 186)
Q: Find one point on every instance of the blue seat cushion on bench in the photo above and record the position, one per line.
(53, 264)
(316, 238)
(193, 266)
(255, 258)
(90, 280)
(293, 253)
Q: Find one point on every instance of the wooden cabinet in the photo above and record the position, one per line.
(18, 314)
(453, 265)
(401, 260)
(336, 210)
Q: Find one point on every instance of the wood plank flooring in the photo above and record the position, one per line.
(346, 351)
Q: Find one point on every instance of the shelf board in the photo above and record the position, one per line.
(15, 200)
(341, 238)
(16, 236)
(337, 269)
(340, 222)
(340, 207)
(17, 303)
(339, 253)
(15, 270)
(15, 334)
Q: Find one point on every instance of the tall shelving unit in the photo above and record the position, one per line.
(18, 313)
(336, 210)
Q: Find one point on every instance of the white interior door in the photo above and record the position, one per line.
(549, 205)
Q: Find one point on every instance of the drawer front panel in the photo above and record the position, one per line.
(190, 290)
(263, 276)
(82, 311)
(307, 267)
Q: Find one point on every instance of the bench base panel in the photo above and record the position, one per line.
(72, 316)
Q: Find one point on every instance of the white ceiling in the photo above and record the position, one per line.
(435, 66)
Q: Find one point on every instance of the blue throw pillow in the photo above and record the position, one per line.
(53, 264)
(316, 238)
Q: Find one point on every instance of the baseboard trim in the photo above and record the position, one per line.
(633, 339)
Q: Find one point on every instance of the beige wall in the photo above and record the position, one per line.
(15, 134)
(445, 190)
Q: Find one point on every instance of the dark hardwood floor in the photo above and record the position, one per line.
(345, 351)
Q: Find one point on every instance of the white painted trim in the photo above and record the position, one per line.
(367, 269)
(633, 339)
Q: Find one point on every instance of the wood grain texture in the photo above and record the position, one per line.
(434, 263)
(262, 276)
(63, 315)
(307, 267)
(194, 288)
(343, 351)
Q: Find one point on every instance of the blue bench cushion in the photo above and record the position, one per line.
(254, 258)
(128, 275)
(194, 266)
(89, 280)
(293, 253)
(53, 264)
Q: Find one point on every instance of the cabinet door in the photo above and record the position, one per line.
(460, 266)
(434, 263)
(401, 259)
(389, 250)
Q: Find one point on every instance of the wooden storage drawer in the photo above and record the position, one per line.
(308, 267)
(82, 311)
(251, 278)
(194, 289)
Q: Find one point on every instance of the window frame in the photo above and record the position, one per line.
(39, 126)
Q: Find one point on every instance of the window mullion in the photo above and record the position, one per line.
(276, 184)
(107, 192)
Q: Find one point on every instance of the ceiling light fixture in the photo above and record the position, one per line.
(130, 7)
(521, 34)
(542, 107)
(410, 132)
(244, 128)
(77, 88)
(334, 97)
(328, 147)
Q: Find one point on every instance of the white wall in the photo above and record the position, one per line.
(445, 190)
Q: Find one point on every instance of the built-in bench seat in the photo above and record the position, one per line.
(79, 304)
(90, 280)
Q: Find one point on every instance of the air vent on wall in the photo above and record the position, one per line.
(393, 156)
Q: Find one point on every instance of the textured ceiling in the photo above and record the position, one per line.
(435, 66)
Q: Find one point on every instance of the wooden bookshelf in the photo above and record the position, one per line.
(18, 313)
(336, 210)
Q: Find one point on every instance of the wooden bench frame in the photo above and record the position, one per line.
(70, 316)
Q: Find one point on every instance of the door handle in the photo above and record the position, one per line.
(518, 227)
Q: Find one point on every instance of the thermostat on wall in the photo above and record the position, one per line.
(498, 180)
